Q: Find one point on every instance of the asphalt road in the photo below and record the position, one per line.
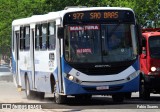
(10, 95)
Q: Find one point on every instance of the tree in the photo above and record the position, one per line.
(146, 10)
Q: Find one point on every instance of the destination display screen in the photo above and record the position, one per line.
(99, 16)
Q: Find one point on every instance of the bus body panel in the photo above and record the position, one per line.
(43, 69)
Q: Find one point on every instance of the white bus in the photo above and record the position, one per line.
(71, 53)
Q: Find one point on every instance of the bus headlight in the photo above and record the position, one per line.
(72, 78)
(153, 69)
(132, 76)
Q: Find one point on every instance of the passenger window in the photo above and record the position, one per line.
(22, 42)
(52, 35)
(27, 38)
(37, 37)
(44, 36)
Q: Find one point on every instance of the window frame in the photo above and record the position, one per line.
(50, 47)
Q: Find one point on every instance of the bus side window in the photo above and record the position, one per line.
(27, 37)
(37, 38)
(44, 36)
(22, 43)
(51, 35)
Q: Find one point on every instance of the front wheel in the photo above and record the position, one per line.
(144, 91)
(29, 94)
(59, 99)
(118, 97)
(128, 95)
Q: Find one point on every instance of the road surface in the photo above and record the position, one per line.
(10, 95)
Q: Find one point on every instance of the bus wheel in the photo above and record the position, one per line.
(40, 95)
(118, 97)
(128, 95)
(29, 94)
(59, 99)
(144, 92)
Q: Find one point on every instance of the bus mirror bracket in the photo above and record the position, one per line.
(60, 32)
(143, 42)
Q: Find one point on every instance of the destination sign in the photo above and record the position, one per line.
(86, 27)
(99, 16)
(95, 15)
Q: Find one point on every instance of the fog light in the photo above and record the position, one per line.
(153, 69)
(73, 79)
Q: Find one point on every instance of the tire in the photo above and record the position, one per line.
(59, 99)
(40, 95)
(128, 95)
(118, 98)
(29, 94)
(144, 91)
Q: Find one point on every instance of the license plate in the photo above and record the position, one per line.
(102, 88)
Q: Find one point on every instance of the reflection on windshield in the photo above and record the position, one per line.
(154, 44)
(98, 43)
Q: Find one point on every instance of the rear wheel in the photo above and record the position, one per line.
(29, 94)
(40, 95)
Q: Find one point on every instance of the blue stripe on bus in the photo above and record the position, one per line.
(65, 67)
(136, 65)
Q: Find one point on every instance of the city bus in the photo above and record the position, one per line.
(69, 53)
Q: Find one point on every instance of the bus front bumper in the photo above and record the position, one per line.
(72, 88)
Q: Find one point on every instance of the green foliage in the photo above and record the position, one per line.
(15, 9)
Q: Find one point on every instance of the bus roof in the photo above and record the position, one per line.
(59, 14)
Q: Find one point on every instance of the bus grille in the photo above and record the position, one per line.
(102, 71)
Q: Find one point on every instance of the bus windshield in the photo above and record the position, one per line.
(99, 43)
(154, 45)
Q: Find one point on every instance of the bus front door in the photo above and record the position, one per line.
(32, 35)
(17, 42)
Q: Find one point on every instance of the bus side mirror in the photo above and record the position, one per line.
(139, 37)
(60, 32)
